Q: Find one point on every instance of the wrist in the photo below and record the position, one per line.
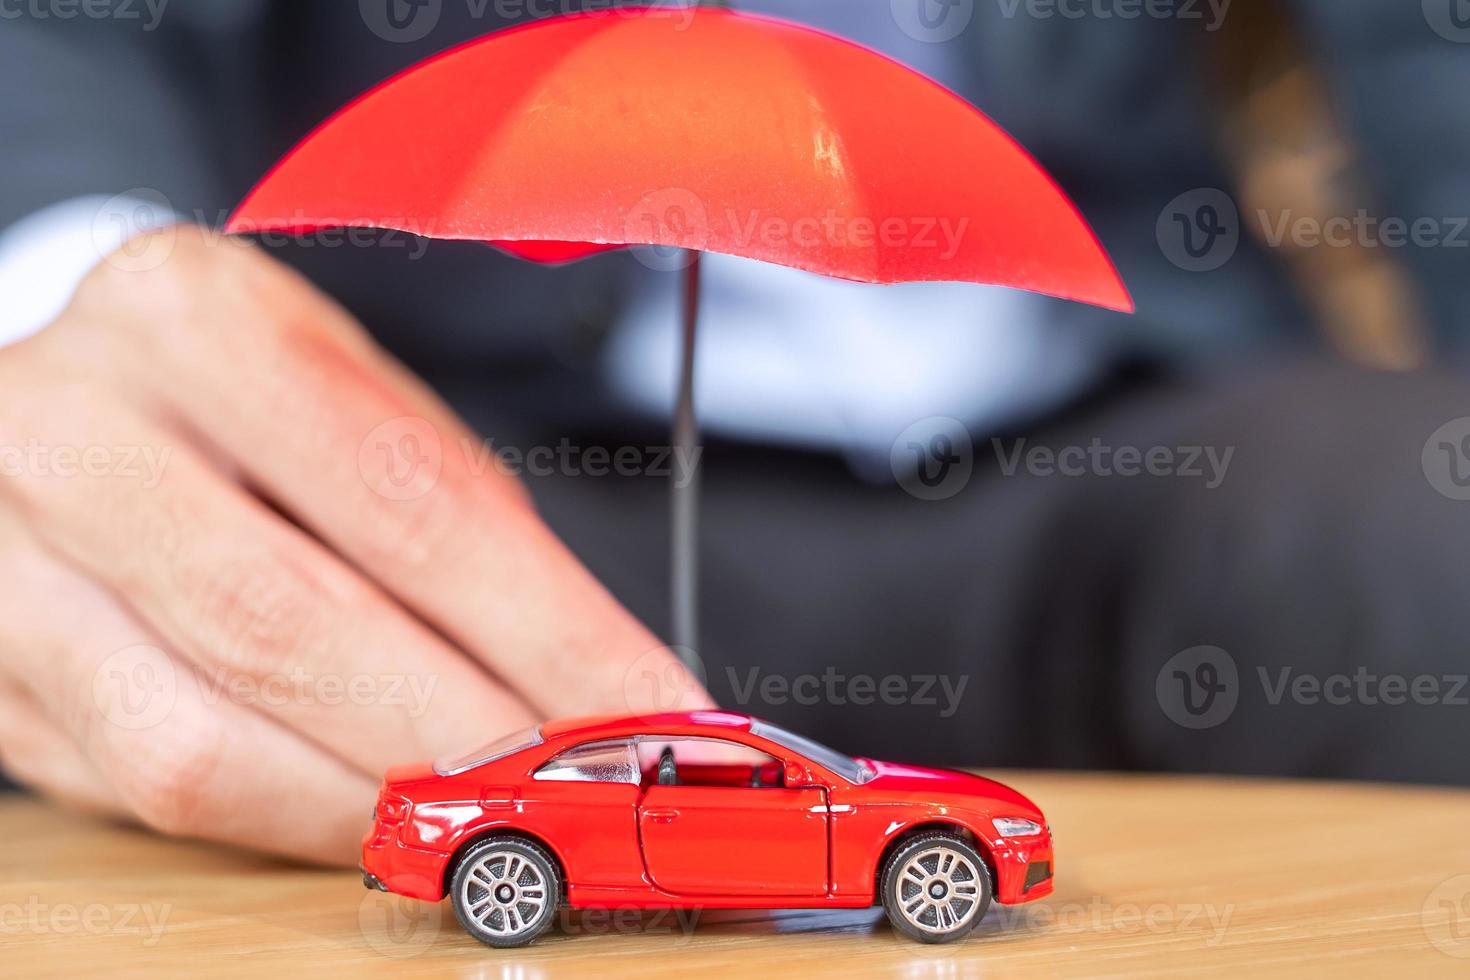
(46, 255)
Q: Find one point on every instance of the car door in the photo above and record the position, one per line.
(585, 802)
(735, 840)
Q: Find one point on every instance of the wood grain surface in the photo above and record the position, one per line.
(1156, 876)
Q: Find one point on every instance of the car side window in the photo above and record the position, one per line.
(611, 761)
(696, 761)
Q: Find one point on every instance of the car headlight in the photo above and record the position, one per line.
(1016, 827)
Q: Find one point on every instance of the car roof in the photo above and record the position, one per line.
(664, 723)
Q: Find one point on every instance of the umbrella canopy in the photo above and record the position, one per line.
(704, 130)
(699, 129)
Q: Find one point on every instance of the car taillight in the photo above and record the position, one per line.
(392, 809)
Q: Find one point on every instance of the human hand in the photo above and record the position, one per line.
(227, 606)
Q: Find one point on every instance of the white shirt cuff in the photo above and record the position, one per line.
(46, 255)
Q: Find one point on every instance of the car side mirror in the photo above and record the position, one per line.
(798, 775)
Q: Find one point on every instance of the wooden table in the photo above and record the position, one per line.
(1156, 876)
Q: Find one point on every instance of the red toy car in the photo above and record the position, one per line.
(699, 810)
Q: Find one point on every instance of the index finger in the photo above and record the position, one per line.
(360, 451)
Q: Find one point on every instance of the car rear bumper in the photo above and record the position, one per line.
(390, 866)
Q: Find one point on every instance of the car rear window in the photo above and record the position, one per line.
(498, 749)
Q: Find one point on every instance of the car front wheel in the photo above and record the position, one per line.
(506, 891)
(936, 888)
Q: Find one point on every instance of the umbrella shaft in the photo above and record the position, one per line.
(685, 530)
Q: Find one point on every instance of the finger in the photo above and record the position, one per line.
(273, 621)
(191, 315)
(388, 477)
(179, 763)
(37, 753)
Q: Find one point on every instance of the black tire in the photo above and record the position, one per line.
(506, 891)
(959, 898)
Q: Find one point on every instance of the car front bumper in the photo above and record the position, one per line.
(1024, 868)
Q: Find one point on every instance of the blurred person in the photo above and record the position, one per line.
(1033, 601)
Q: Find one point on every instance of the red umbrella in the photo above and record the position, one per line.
(705, 130)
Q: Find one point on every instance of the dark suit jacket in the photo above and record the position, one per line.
(198, 106)
(1122, 113)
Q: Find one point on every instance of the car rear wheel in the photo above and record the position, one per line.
(506, 891)
(936, 888)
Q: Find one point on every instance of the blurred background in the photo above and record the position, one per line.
(928, 530)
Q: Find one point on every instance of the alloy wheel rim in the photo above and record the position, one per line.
(938, 890)
(504, 893)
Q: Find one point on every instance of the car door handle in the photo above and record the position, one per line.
(661, 816)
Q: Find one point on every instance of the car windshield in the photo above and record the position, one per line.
(498, 749)
(850, 769)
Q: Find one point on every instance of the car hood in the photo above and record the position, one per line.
(948, 786)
